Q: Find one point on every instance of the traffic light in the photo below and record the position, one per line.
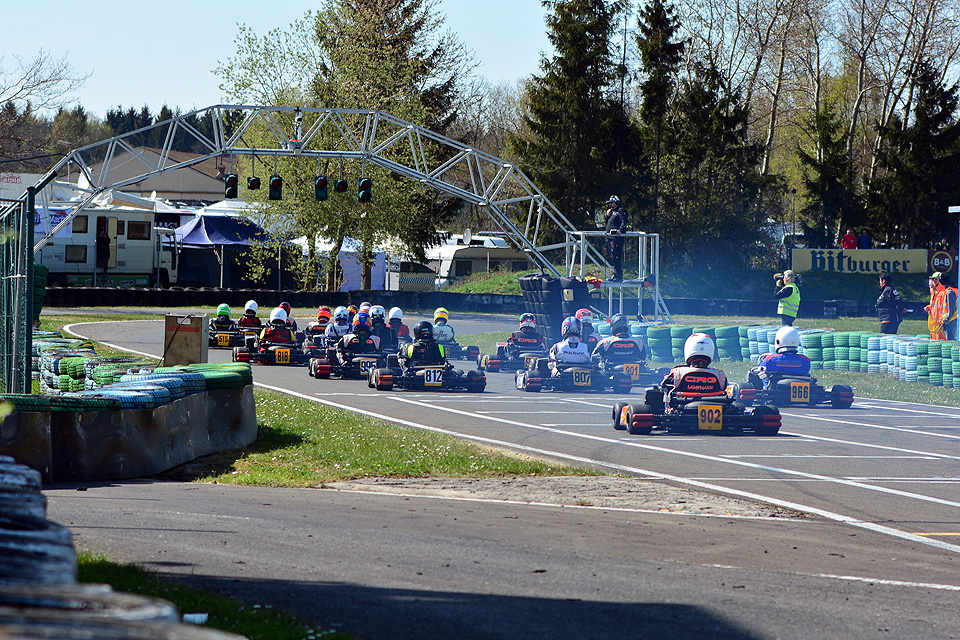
(320, 188)
(253, 183)
(230, 186)
(364, 190)
(339, 186)
(276, 187)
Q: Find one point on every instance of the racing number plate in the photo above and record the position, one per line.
(433, 377)
(528, 361)
(800, 392)
(633, 370)
(366, 364)
(223, 339)
(283, 356)
(581, 378)
(710, 417)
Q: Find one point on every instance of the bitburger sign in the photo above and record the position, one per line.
(861, 260)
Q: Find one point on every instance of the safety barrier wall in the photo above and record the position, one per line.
(470, 302)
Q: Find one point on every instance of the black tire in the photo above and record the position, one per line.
(838, 402)
(322, 376)
(312, 367)
(379, 382)
(622, 383)
(635, 410)
(615, 416)
(530, 386)
(767, 410)
(476, 383)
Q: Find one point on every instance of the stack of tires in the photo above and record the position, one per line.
(678, 337)
(813, 348)
(728, 343)
(744, 333)
(551, 300)
(660, 343)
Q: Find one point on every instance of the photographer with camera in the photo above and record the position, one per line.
(788, 293)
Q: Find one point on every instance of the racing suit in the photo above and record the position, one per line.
(401, 330)
(443, 333)
(222, 324)
(291, 324)
(335, 331)
(773, 366)
(355, 344)
(276, 334)
(249, 320)
(386, 334)
(620, 350)
(687, 381)
(590, 336)
(424, 352)
(316, 328)
(525, 340)
(568, 351)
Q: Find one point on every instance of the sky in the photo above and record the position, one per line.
(138, 56)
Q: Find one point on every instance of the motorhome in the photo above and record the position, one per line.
(141, 253)
(462, 255)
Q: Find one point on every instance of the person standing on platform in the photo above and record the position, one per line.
(616, 220)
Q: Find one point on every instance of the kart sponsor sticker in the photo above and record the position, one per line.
(633, 369)
(223, 339)
(581, 377)
(800, 392)
(366, 364)
(433, 377)
(623, 416)
(282, 356)
(710, 417)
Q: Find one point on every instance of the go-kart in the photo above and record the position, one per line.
(345, 364)
(427, 377)
(571, 377)
(314, 344)
(508, 358)
(288, 353)
(640, 374)
(219, 339)
(792, 391)
(454, 351)
(708, 414)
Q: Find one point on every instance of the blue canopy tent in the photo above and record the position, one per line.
(219, 230)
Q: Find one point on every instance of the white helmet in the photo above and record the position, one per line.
(251, 306)
(278, 316)
(395, 312)
(700, 346)
(341, 315)
(787, 340)
(377, 311)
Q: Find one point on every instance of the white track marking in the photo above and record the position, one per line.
(871, 446)
(871, 426)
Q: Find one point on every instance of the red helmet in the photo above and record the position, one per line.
(585, 315)
(286, 307)
(323, 314)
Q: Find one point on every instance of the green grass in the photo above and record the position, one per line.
(497, 281)
(253, 621)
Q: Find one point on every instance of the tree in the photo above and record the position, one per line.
(829, 179)
(660, 57)
(920, 164)
(578, 139)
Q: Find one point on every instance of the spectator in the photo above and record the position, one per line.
(788, 295)
(889, 306)
(865, 241)
(943, 245)
(103, 251)
(934, 309)
(848, 241)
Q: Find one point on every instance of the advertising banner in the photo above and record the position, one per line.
(861, 260)
(944, 261)
(46, 219)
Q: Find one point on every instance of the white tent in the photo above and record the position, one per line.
(349, 258)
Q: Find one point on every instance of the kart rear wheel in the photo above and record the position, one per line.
(383, 379)
(745, 393)
(473, 353)
(639, 419)
(771, 420)
(622, 383)
(370, 381)
(531, 382)
(841, 396)
(312, 367)
(616, 414)
(321, 368)
(476, 382)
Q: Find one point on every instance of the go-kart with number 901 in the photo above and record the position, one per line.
(571, 377)
(508, 358)
(424, 377)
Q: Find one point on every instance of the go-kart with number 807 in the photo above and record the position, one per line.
(571, 377)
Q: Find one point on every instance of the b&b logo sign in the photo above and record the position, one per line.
(941, 261)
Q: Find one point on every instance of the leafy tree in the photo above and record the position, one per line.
(660, 56)
(829, 178)
(578, 139)
(920, 165)
(714, 196)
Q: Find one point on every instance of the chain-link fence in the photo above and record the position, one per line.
(16, 244)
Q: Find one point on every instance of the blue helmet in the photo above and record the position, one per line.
(362, 321)
(570, 327)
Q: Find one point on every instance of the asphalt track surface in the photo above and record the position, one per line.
(877, 555)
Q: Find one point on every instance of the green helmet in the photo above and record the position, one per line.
(223, 310)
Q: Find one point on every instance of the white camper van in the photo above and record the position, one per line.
(141, 254)
(464, 255)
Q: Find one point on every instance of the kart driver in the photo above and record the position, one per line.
(320, 326)
(291, 323)
(388, 337)
(621, 347)
(395, 319)
(249, 317)
(222, 322)
(359, 340)
(569, 350)
(696, 378)
(785, 362)
(444, 333)
(277, 331)
(340, 325)
(527, 338)
(352, 310)
(425, 349)
(588, 334)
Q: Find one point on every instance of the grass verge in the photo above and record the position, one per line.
(253, 621)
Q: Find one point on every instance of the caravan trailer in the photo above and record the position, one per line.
(458, 258)
(141, 253)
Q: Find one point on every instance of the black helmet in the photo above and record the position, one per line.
(619, 324)
(423, 330)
